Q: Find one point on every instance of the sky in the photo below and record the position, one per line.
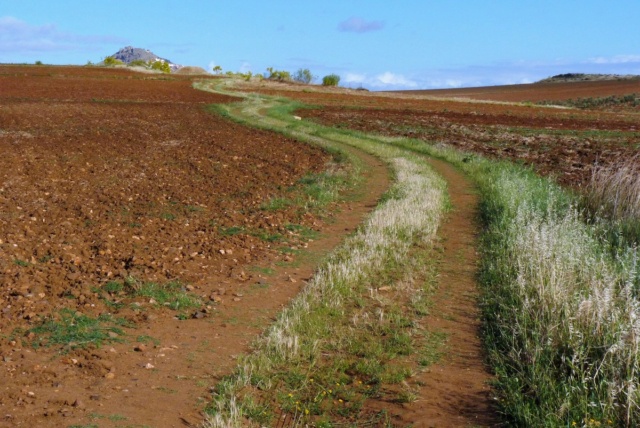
(375, 44)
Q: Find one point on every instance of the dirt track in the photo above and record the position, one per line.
(107, 177)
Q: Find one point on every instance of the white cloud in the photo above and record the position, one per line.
(618, 59)
(359, 25)
(354, 78)
(17, 36)
(391, 79)
(386, 80)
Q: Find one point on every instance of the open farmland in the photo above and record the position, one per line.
(550, 256)
(560, 142)
(538, 91)
(120, 189)
(128, 215)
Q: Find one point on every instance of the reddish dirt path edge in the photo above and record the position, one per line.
(456, 391)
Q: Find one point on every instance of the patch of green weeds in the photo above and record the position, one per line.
(267, 236)
(231, 231)
(45, 258)
(433, 348)
(21, 263)
(304, 232)
(170, 294)
(148, 339)
(113, 418)
(72, 330)
(262, 270)
(276, 204)
(168, 216)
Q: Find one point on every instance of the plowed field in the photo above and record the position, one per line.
(110, 180)
(539, 91)
(562, 142)
(551, 143)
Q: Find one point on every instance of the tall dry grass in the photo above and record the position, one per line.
(614, 190)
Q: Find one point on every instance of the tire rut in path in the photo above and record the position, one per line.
(456, 391)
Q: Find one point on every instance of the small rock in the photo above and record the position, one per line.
(110, 375)
(149, 366)
(78, 403)
(385, 288)
(95, 397)
(113, 334)
(141, 347)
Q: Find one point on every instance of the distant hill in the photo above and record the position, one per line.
(584, 77)
(129, 54)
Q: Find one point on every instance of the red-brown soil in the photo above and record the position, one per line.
(108, 175)
(538, 91)
(564, 143)
(561, 142)
(455, 391)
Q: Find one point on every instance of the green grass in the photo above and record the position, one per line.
(558, 301)
(341, 341)
(170, 294)
(71, 330)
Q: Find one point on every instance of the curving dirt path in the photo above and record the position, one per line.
(455, 390)
(162, 373)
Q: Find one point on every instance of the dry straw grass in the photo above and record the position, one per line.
(614, 190)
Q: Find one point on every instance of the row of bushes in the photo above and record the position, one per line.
(303, 75)
(161, 66)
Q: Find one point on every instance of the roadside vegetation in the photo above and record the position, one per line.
(560, 285)
(353, 333)
(560, 295)
(560, 292)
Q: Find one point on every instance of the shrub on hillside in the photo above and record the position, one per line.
(138, 63)
(112, 61)
(278, 75)
(331, 80)
(303, 76)
(161, 66)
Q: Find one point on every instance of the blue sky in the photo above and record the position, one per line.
(378, 44)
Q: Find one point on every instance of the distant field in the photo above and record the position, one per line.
(561, 142)
(537, 91)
